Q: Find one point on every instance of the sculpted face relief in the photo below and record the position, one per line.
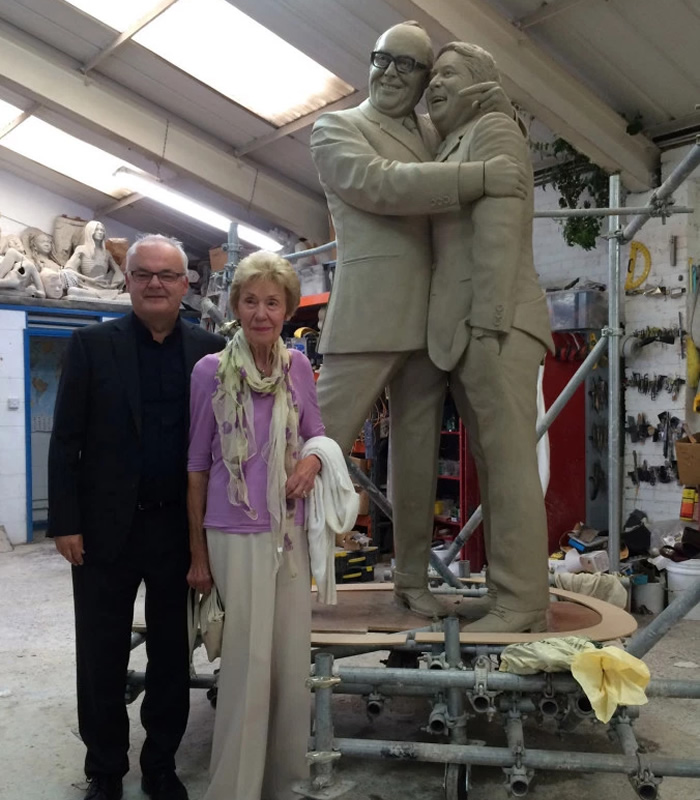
(392, 92)
(448, 110)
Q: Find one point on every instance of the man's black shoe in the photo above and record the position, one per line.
(104, 788)
(164, 786)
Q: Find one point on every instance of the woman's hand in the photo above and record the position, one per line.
(199, 575)
(301, 481)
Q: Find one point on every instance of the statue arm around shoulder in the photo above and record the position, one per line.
(350, 167)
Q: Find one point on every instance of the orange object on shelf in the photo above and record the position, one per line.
(314, 299)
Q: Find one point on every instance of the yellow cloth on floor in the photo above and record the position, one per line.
(611, 677)
(600, 585)
(549, 655)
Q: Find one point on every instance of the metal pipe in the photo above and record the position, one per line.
(560, 761)
(552, 413)
(322, 248)
(559, 683)
(623, 211)
(644, 782)
(614, 383)
(323, 688)
(674, 180)
(518, 775)
(196, 681)
(456, 701)
(642, 641)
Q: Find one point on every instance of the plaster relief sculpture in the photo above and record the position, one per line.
(93, 260)
(488, 327)
(381, 197)
(17, 272)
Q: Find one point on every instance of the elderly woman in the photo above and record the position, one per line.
(251, 407)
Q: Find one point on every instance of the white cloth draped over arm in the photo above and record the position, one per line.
(331, 508)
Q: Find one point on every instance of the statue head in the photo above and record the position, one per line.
(52, 283)
(40, 243)
(400, 65)
(457, 67)
(11, 242)
(94, 232)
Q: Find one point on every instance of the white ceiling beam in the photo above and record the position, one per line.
(540, 85)
(128, 34)
(53, 84)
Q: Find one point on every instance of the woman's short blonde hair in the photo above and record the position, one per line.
(265, 266)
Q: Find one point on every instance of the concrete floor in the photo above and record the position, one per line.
(41, 755)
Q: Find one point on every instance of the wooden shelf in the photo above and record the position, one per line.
(447, 521)
(448, 477)
(314, 300)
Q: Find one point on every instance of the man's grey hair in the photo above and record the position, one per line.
(481, 63)
(156, 238)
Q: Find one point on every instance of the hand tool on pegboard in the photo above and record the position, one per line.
(632, 282)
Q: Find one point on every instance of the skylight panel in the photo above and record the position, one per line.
(248, 64)
(118, 14)
(8, 113)
(53, 148)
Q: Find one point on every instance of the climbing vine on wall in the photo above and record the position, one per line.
(581, 184)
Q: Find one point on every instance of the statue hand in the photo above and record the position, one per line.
(504, 177)
(488, 97)
(488, 338)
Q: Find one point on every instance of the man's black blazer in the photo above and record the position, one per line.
(94, 467)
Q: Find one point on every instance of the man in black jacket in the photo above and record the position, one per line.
(117, 510)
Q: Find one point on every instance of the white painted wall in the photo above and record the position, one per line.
(13, 493)
(24, 204)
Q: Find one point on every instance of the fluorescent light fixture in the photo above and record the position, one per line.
(8, 113)
(150, 187)
(247, 63)
(53, 148)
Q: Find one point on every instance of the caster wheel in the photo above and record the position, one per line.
(457, 780)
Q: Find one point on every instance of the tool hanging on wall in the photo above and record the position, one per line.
(633, 282)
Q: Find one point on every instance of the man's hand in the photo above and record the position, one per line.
(504, 177)
(71, 548)
(301, 481)
(488, 97)
(199, 575)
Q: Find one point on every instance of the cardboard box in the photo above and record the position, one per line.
(688, 458)
(217, 258)
(361, 463)
(364, 503)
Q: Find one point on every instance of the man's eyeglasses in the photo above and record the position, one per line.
(145, 276)
(403, 64)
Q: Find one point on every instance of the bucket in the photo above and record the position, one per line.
(648, 598)
(682, 576)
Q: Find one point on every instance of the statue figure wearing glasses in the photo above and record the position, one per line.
(375, 163)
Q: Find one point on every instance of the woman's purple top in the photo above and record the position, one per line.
(205, 446)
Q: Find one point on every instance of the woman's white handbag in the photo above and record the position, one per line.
(211, 623)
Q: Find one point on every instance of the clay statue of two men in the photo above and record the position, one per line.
(385, 324)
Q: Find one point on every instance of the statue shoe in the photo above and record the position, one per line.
(420, 601)
(474, 607)
(504, 620)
